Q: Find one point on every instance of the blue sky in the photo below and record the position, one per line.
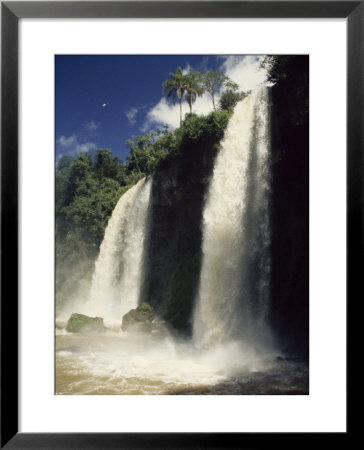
(130, 88)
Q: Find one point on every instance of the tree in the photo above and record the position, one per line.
(105, 164)
(175, 88)
(193, 87)
(145, 152)
(231, 96)
(63, 170)
(212, 83)
(64, 162)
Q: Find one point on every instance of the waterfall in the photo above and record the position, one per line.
(233, 294)
(118, 277)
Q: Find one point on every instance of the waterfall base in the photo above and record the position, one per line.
(124, 364)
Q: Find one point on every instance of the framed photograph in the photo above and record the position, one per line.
(180, 221)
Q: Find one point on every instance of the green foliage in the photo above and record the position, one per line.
(206, 127)
(231, 85)
(193, 87)
(106, 166)
(175, 87)
(86, 193)
(146, 151)
(194, 84)
(213, 82)
(65, 162)
(230, 98)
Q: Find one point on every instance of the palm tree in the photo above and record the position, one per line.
(193, 87)
(175, 88)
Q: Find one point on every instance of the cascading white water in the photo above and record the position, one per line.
(233, 293)
(119, 269)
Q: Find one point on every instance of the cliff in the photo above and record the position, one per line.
(290, 210)
(179, 189)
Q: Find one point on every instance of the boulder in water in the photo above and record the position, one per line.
(139, 319)
(80, 323)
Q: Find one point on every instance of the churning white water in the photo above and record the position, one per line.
(233, 294)
(119, 268)
(119, 363)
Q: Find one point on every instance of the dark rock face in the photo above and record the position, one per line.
(290, 211)
(79, 323)
(139, 319)
(175, 236)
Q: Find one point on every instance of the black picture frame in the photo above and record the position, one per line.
(11, 12)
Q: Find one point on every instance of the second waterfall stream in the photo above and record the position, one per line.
(233, 293)
(119, 269)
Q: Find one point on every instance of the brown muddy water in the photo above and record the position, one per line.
(116, 363)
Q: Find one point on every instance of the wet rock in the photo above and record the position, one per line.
(139, 319)
(80, 323)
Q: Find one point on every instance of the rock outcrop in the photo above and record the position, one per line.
(139, 319)
(80, 323)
